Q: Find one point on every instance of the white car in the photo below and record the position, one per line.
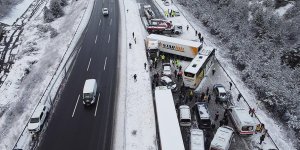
(38, 119)
(167, 81)
(167, 71)
(105, 11)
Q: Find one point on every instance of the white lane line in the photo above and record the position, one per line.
(96, 39)
(100, 22)
(108, 38)
(87, 69)
(105, 63)
(97, 105)
(75, 106)
(110, 22)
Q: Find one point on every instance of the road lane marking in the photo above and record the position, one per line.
(108, 38)
(97, 105)
(100, 22)
(96, 39)
(87, 69)
(75, 106)
(105, 63)
(110, 21)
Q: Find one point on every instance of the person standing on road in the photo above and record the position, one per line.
(208, 99)
(217, 116)
(221, 123)
(230, 85)
(180, 67)
(207, 90)
(175, 73)
(145, 65)
(132, 34)
(213, 71)
(129, 45)
(135, 40)
(239, 97)
(199, 35)
(225, 121)
(135, 77)
(196, 32)
(262, 138)
(187, 27)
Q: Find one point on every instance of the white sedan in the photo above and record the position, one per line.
(105, 11)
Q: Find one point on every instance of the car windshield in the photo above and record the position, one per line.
(185, 120)
(104, 9)
(34, 120)
(247, 128)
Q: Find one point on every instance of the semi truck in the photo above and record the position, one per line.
(160, 26)
(152, 48)
(176, 46)
(149, 12)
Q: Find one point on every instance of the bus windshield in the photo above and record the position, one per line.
(187, 74)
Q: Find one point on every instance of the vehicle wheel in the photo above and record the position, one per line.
(177, 33)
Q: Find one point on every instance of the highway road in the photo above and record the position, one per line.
(74, 126)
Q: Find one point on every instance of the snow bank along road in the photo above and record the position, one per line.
(74, 126)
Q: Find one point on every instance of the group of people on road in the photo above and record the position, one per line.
(170, 13)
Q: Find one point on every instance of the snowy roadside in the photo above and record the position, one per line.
(137, 130)
(275, 130)
(38, 58)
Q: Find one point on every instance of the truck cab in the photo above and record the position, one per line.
(89, 91)
(178, 29)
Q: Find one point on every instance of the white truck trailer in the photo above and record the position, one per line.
(176, 46)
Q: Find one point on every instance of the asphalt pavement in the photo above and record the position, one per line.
(72, 125)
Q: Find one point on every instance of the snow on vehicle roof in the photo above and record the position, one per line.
(221, 89)
(197, 139)
(89, 85)
(167, 68)
(222, 137)
(203, 112)
(152, 44)
(38, 111)
(167, 79)
(174, 40)
(198, 61)
(169, 130)
(185, 112)
(243, 116)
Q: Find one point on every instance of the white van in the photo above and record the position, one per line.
(243, 122)
(89, 91)
(222, 139)
(38, 118)
(197, 140)
(185, 115)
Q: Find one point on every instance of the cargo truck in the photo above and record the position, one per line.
(176, 46)
(152, 48)
(89, 91)
(160, 26)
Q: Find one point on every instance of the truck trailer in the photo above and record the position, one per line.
(176, 46)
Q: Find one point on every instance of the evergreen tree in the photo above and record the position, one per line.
(48, 16)
(56, 8)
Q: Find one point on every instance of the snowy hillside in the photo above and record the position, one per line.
(262, 40)
(6, 5)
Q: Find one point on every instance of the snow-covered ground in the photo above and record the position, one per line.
(16, 12)
(135, 126)
(40, 55)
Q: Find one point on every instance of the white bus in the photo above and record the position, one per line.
(168, 125)
(194, 73)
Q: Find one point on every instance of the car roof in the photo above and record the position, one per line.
(185, 111)
(202, 107)
(222, 137)
(167, 67)
(38, 111)
(166, 79)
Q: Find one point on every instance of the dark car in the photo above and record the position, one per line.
(220, 93)
(202, 115)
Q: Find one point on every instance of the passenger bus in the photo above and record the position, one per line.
(168, 125)
(196, 70)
